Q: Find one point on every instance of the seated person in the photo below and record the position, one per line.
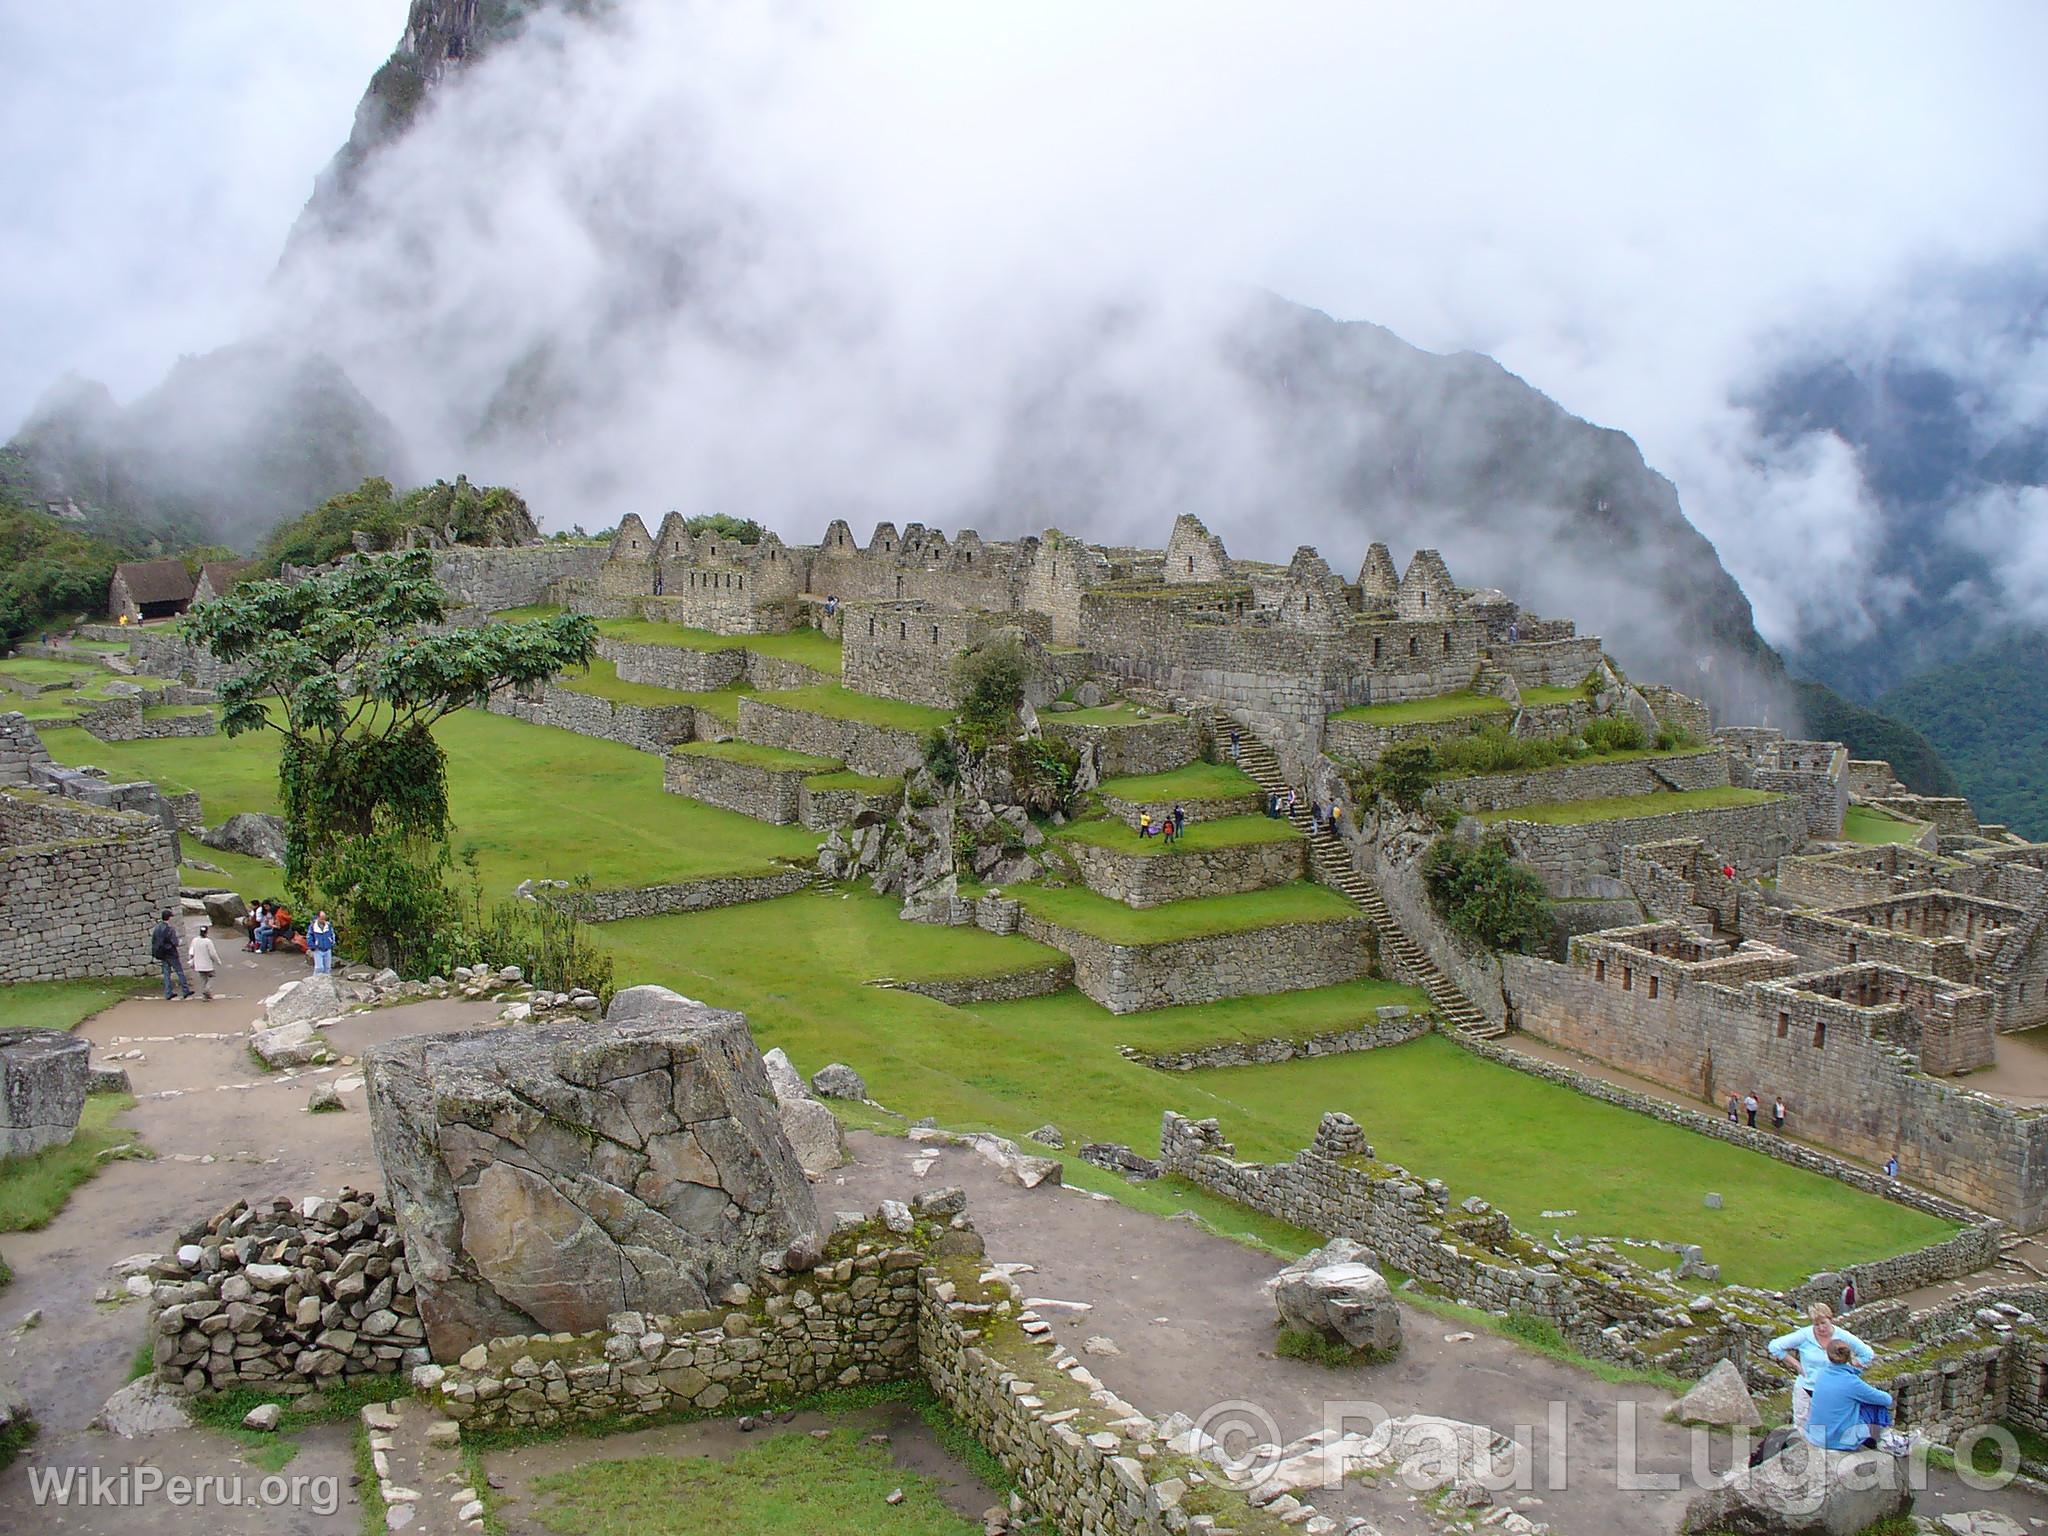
(1836, 1420)
(283, 933)
(266, 929)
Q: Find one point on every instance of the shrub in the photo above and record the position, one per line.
(1302, 1344)
(1485, 896)
(942, 759)
(1494, 749)
(1675, 738)
(1405, 771)
(1047, 773)
(1613, 733)
(989, 683)
(543, 938)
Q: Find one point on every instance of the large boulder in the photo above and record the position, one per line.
(143, 1408)
(318, 996)
(1805, 1491)
(1720, 1397)
(783, 1078)
(1334, 1292)
(225, 909)
(253, 834)
(838, 1081)
(44, 1077)
(297, 1044)
(812, 1128)
(546, 1179)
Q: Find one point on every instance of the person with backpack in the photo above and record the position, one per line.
(205, 961)
(163, 948)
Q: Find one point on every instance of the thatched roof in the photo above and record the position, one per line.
(219, 575)
(156, 581)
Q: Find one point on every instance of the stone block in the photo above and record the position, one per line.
(544, 1180)
(44, 1076)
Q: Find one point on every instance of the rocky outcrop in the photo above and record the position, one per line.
(1804, 1489)
(812, 1128)
(1720, 1397)
(1336, 1292)
(44, 1076)
(253, 834)
(545, 1180)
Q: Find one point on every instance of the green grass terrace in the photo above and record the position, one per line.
(1560, 813)
(839, 703)
(602, 681)
(1104, 714)
(774, 759)
(1225, 832)
(1867, 824)
(1197, 781)
(531, 800)
(1114, 923)
(1445, 706)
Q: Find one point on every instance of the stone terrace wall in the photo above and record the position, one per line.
(617, 904)
(1150, 746)
(1360, 741)
(1588, 781)
(1009, 987)
(674, 666)
(1578, 858)
(1181, 873)
(80, 888)
(124, 719)
(1549, 663)
(1861, 1096)
(518, 577)
(878, 751)
(1128, 811)
(21, 749)
(167, 653)
(649, 728)
(1393, 1025)
(772, 795)
(1127, 978)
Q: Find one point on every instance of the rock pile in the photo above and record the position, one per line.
(288, 1294)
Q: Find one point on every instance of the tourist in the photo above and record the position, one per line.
(1337, 818)
(1891, 1167)
(1749, 1108)
(1734, 1109)
(831, 605)
(266, 928)
(1835, 1419)
(1806, 1351)
(1778, 1115)
(1144, 825)
(1287, 804)
(1849, 1294)
(320, 944)
(1179, 818)
(205, 961)
(1234, 743)
(163, 948)
(1727, 871)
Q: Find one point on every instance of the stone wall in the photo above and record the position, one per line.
(1128, 811)
(622, 902)
(1677, 709)
(674, 666)
(517, 577)
(80, 888)
(767, 794)
(1392, 1025)
(1549, 663)
(21, 749)
(1178, 873)
(878, 751)
(286, 1295)
(1859, 1093)
(1149, 746)
(133, 718)
(1361, 741)
(1706, 769)
(1583, 858)
(649, 728)
(1008, 987)
(822, 810)
(163, 652)
(1871, 778)
(1127, 978)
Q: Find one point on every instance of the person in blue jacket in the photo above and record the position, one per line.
(1837, 1421)
(1806, 1351)
(320, 944)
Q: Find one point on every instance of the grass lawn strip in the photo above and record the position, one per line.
(779, 1485)
(1104, 714)
(806, 647)
(532, 801)
(1226, 832)
(839, 703)
(1544, 698)
(1866, 824)
(1447, 706)
(64, 1004)
(43, 672)
(1197, 781)
(859, 783)
(33, 1189)
(1112, 921)
(775, 758)
(1558, 813)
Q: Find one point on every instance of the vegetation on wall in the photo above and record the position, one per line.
(473, 514)
(1485, 896)
(723, 525)
(1407, 769)
(47, 570)
(989, 683)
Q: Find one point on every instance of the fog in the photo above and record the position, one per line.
(804, 260)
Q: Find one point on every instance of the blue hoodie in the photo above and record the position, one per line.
(1836, 1421)
(1813, 1356)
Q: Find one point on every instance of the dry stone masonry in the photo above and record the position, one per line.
(80, 887)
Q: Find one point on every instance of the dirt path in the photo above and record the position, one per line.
(221, 1129)
(1186, 1312)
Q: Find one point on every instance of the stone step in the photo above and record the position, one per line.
(416, 1453)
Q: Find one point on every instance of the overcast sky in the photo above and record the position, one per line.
(1636, 208)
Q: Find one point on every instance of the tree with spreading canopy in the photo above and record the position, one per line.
(351, 670)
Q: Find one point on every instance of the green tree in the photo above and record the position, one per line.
(1485, 895)
(989, 683)
(348, 669)
(1405, 771)
(741, 530)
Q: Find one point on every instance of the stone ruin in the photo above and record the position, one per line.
(545, 1181)
(44, 1078)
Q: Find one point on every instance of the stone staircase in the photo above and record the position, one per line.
(1331, 864)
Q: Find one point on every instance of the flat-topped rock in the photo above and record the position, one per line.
(546, 1179)
(44, 1077)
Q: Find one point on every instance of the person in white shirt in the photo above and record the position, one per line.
(205, 961)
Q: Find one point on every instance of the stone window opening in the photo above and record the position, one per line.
(902, 631)
(1191, 565)
(935, 634)
(899, 586)
(1414, 646)
(1628, 978)
(1425, 602)
(1375, 648)
(1447, 642)
(1820, 1033)
(871, 626)
(1784, 1025)
(1852, 951)
(1308, 605)
(1653, 988)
